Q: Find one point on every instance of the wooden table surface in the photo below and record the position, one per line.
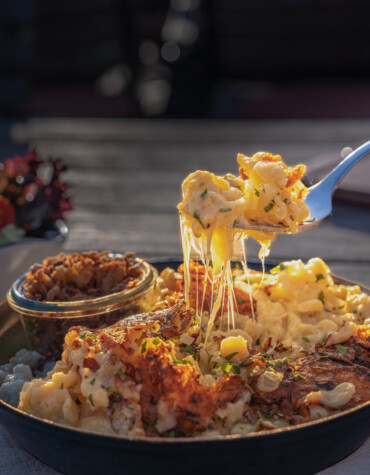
(125, 178)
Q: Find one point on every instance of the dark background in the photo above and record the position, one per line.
(185, 58)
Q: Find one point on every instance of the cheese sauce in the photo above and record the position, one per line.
(213, 207)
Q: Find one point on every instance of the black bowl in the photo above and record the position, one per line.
(302, 449)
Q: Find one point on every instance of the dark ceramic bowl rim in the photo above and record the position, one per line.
(22, 304)
(187, 440)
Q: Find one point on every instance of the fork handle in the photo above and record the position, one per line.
(333, 179)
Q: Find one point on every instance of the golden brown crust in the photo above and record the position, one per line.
(81, 276)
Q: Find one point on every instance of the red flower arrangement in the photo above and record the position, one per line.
(32, 196)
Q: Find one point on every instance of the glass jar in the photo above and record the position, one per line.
(46, 323)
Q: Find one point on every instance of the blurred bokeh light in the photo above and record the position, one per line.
(185, 58)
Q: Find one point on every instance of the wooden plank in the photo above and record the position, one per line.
(177, 131)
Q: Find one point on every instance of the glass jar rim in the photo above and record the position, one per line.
(20, 303)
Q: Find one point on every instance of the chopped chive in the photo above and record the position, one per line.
(121, 375)
(62, 386)
(304, 338)
(224, 210)
(237, 266)
(319, 277)
(197, 217)
(156, 341)
(143, 347)
(90, 398)
(187, 348)
(262, 417)
(240, 299)
(278, 269)
(298, 375)
(204, 194)
(236, 369)
(172, 434)
(177, 362)
(226, 367)
(269, 207)
(342, 349)
(231, 355)
(321, 297)
(256, 192)
(92, 382)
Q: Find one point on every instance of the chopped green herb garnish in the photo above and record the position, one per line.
(188, 349)
(269, 207)
(121, 375)
(204, 282)
(92, 382)
(62, 386)
(89, 335)
(342, 349)
(156, 341)
(231, 355)
(286, 201)
(236, 369)
(324, 337)
(143, 347)
(172, 434)
(279, 364)
(213, 372)
(298, 375)
(197, 217)
(304, 338)
(261, 416)
(326, 310)
(177, 362)
(321, 297)
(90, 398)
(204, 194)
(278, 269)
(319, 277)
(226, 367)
(256, 192)
(240, 299)
(224, 210)
(237, 266)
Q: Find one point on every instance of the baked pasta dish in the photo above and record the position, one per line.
(226, 350)
(298, 351)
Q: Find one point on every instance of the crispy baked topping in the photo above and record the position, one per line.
(82, 276)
